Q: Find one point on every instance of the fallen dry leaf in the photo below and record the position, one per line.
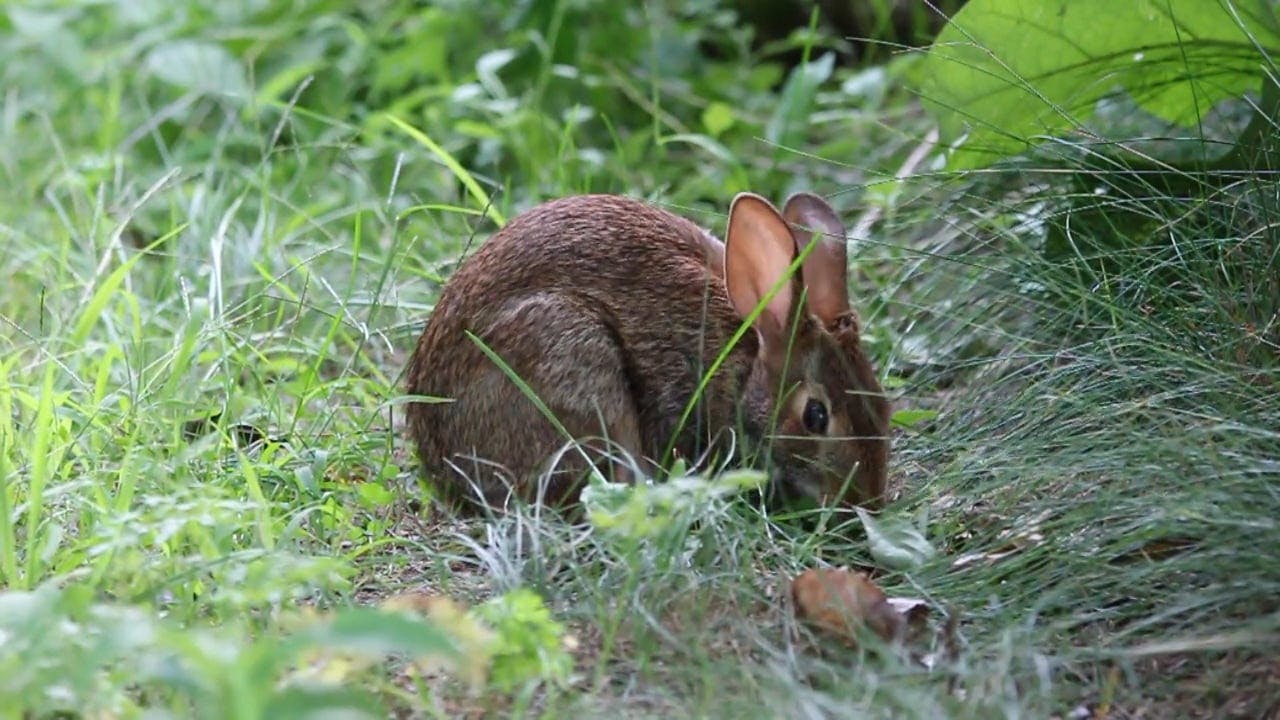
(841, 602)
(914, 612)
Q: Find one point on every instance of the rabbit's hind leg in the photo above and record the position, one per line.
(565, 351)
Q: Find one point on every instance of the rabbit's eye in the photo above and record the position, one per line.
(815, 417)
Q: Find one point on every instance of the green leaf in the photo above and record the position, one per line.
(1010, 72)
(48, 29)
(717, 118)
(645, 510)
(374, 495)
(721, 153)
(796, 103)
(740, 480)
(529, 640)
(897, 544)
(198, 66)
(279, 87)
(378, 633)
(329, 703)
(910, 417)
(630, 511)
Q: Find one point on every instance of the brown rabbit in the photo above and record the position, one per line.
(611, 311)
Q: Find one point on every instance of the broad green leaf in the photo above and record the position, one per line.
(198, 66)
(796, 103)
(895, 544)
(374, 495)
(48, 29)
(717, 118)
(1010, 72)
(379, 632)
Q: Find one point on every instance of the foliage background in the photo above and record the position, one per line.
(221, 225)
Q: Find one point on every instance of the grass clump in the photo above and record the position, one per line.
(222, 225)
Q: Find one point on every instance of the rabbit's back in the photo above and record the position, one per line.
(611, 236)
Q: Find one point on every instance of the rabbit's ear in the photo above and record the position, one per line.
(825, 269)
(758, 251)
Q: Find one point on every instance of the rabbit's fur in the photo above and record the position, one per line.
(611, 311)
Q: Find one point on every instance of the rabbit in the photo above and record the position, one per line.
(611, 310)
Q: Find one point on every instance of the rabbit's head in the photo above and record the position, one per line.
(813, 399)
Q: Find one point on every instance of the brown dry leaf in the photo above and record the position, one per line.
(841, 602)
(914, 613)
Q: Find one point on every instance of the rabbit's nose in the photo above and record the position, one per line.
(807, 486)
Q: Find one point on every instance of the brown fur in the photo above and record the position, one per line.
(611, 310)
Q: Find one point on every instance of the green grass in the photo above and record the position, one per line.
(215, 264)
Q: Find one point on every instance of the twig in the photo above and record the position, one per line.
(870, 216)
